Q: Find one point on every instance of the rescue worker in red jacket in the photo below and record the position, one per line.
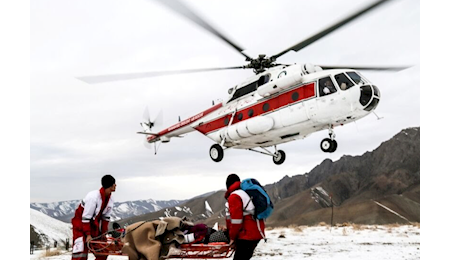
(92, 218)
(244, 230)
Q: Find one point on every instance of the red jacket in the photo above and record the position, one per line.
(241, 223)
(94, 209)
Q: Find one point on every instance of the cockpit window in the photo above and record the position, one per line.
(356, 78)
(326, 86)
(343, 82)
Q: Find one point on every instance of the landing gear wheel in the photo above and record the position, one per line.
(216, 153)
(279, 158)
(334, 146)
(326, 145)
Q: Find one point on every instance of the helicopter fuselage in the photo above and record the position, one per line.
(283, 104)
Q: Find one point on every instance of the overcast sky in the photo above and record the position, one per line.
(79, 132)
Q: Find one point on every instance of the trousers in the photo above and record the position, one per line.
(79, 249)
(244, 249)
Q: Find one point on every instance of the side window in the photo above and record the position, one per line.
(244, 91)
(343, 82)
(326, 86)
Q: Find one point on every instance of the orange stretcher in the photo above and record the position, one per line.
(112, 246)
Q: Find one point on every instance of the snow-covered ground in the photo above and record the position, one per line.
(321, 242)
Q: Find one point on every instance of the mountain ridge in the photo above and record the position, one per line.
(390, 173)
(65, 210)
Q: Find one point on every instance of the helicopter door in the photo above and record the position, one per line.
(327, 99)
(311, 104)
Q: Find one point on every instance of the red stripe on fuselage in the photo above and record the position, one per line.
(185, 122)
(304, 92)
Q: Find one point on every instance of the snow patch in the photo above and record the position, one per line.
(123, 207)
(157, 207)
(52, 228)
(209, 212)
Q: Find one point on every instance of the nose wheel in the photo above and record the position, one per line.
(279, 157)
(216, 153)
(329, 145)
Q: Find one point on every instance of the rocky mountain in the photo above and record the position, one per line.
(64, 210)
(46, 230)
(378, 187)
(198, 208)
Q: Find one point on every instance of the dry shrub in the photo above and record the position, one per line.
(415, 224)
(269, 228)
(345, 224)
(322, 224)
(296, 228)
(299, 229)
(344, 232)
(358, 227)
(47, 253)
(394, 225)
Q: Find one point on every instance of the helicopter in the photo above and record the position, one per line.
(279, 104)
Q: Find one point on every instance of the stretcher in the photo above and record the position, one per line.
(113, 246)
(108, 246)
(203, 251)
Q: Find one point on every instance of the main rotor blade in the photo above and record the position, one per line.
(185, 11)
(394, 68)
(128, 76)
(146, 115)
(330, 29)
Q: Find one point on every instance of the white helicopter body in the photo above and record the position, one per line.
(283, 104)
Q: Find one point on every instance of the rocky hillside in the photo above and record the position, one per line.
(46, 230)
(363, 189)
(390, 173)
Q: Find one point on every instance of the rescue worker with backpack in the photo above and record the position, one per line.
(245, 228)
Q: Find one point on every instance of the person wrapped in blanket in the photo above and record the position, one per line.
(201, 233)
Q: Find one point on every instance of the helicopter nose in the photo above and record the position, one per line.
(370, 97)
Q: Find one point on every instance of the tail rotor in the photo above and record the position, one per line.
(148, 123)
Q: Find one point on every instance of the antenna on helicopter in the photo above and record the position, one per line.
(377, 115)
